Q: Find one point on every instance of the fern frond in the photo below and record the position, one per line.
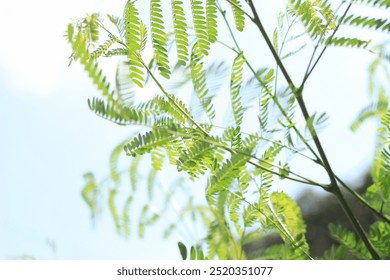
(90, 194)
(146, 143)
(159, 38)
(228, 172)
(200, 26)
(235, 87)
(372, 110)
(115, 52)
(211, 20)
(196, 159)
(198, 75)
(102, 49)
(316, 15)
(368, 22)
(239, 16)
(348, 240)
(114, 159)
(157, 156)
(113, 209)
(375, 3)
(80, 52)
(132, 25)
(121, 115)
(347, 42)
(90, 28)
(180, 30)
(118, 23)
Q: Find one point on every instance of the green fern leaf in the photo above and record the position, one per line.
(120, 115)
(198, 75)
(211, 20)
(118, 24)
(290, 223)
(80, 52)
(102, 49)
(90, 28)
(372, 23)
(228, 172)
(113, 210)
(159, 38)
(145, 143)
(133, 42)
(235, 87)
(347, 42)
(348, 240)
(375, 3)
(197, 159)
(126, 226)
(180, 30)
(239, 16)
(200, 26)
(315, 15)
(90, 194)
(114, 158)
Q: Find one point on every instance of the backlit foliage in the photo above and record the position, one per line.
(230, 126)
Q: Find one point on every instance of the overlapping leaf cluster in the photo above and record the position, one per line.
(240, 169)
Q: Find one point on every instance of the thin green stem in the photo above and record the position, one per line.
(280, 107)
(333, 187)
(309, 72)
(363, 201)
(358, 227)
(189, 117)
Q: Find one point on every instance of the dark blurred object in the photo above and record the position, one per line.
(320, 210)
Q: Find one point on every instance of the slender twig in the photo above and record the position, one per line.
(281, 109)
(308, 72)
(333, 187)
(317, 46)
(363, 201)
(358, 227)
(301, 179)
(238, 8)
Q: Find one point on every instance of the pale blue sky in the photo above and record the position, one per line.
(49, 138)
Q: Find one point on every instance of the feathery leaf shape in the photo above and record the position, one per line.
(90, 28)
(102, 49)
(291, 218)
(113, 209)
(180, 29)
(348, 240)
(347, 42)
(235, 87)
(133, 41)
(375, 3)
(120, 115)
(80, 52)
(239, 16)
(90, 194)
(211, 20)
(146, 143)
(315, 15)
(228, 172)
(197, 159)
(118, 24)
(114, 159)
(198, 75)
(159, 38)
(368, 22)
(200, 26)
